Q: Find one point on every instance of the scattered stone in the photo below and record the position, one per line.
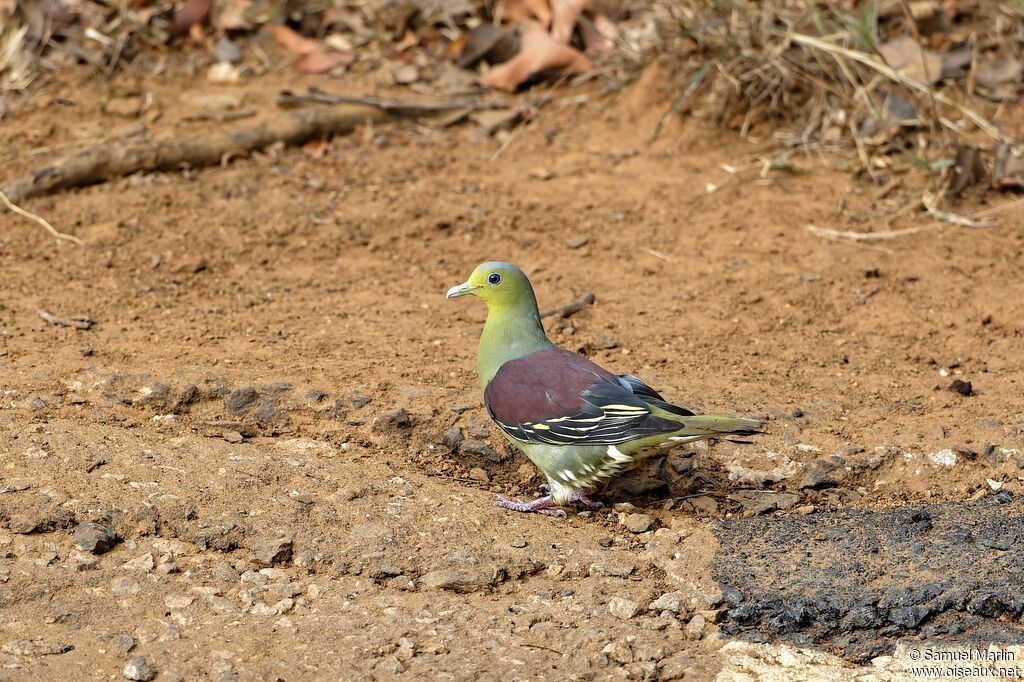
(392, 665)
(266, 412)
(481, 449)
(612, 570)
(94, 537)
(178, 601)
(452, 439)
(391, 420)
(962, 387)
(756, 502)
(453, 581)
(168, 567)
(383, 571)
(816, 475)
(270, 552)
(943, 458)
(704, 505)
(35, 647)
(670, 601)
(240, 400)
(478, 474)
(406, 649)
(137, 668)
(86, 351)
(518, 543)
(623, 608)
(122, 644)
(695, 628)
(359, 399)
(36, 403)
(639, 523)
(142, 563)
(619, 651)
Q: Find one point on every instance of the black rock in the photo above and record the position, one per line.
(240, 400)
(816, 475)
(452, 439)
(391, 420)
(480, 449)
(94, 537)
(962, 387)
(909, 616)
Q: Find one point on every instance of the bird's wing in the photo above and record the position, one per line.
(558, 397)
(650, 396)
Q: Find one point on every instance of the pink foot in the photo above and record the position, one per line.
(542, 505)
(583, 497)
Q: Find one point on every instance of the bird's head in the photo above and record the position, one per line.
(497, 284)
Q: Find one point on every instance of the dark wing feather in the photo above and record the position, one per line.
(650, 396)
(557, 397)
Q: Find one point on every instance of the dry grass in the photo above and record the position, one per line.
(813, 73)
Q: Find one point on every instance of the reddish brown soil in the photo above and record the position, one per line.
(293, 274)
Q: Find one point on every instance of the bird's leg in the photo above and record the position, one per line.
(583, 497)
(542, 505)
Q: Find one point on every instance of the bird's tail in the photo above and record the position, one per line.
(699, 427)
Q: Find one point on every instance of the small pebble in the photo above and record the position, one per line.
(137, 668)
(623, 608)
(519, 543)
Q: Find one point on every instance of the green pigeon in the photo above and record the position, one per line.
(579, 423)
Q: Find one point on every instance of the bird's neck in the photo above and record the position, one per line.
(511, 332)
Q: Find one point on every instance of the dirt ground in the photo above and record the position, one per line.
(230, 422)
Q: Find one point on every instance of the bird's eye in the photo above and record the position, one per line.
(493, 278)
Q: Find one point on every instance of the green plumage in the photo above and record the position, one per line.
(580, 424)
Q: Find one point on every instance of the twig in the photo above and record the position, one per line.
(570, 308)
(394, 106)
(657, 254)
(32, 216)
(829, 233)
(695, 80)
(930, 202)
(541, 646)
(78, 321)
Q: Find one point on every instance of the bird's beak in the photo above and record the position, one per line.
(460, 290)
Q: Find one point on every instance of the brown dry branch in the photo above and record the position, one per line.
(103, 162)
(570, 308)
(82, 322)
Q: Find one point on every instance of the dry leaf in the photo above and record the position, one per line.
(998, 69)
(905, 56)
(602, 36)
(193, 12)
(564, 14)
(292, 41)
(538, 52)
(322, 61)
(525, 11)
(486, 42)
